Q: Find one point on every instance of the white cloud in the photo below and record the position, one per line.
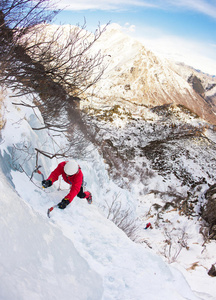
(207, 7)
(191, 52)
(129, 28)
(102, 4)
(196, 54)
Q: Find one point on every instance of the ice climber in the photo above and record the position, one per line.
(72, 174)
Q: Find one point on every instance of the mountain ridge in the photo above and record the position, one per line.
(137, 75)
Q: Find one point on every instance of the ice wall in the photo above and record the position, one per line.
(36, 260)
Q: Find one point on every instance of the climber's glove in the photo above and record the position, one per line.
(46, 183)
(63, 203)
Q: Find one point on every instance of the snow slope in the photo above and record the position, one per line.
(37, 260)
(78, 253)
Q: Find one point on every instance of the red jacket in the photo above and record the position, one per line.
(75, 180)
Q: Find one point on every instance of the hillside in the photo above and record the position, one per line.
(77, 253)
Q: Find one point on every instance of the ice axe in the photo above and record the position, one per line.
(51, 209)
(36, 170)
(39, 172)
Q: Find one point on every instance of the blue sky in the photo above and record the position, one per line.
(180, 29)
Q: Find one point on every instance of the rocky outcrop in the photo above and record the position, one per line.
(209, 211)
(212, 271)
(197, 85)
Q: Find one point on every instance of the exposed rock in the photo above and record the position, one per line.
(212, 271)
(197, 85)
(209, 211)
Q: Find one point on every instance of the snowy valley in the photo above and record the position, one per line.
(152, 160)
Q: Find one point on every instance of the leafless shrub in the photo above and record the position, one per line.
(66, 55)
(55, 69)
(173, 247)
(123, 218)
(17, 17)
(58, 70)
(75, 146)
(144, 241)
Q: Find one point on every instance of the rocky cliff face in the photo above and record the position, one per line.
(203, 84)
(209, 210)
(137, 76)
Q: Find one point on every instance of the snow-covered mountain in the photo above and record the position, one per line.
(135, 76)
(138, 76)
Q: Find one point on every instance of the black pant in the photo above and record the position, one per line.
(81, 194)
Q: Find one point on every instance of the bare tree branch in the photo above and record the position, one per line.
(57, 68)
